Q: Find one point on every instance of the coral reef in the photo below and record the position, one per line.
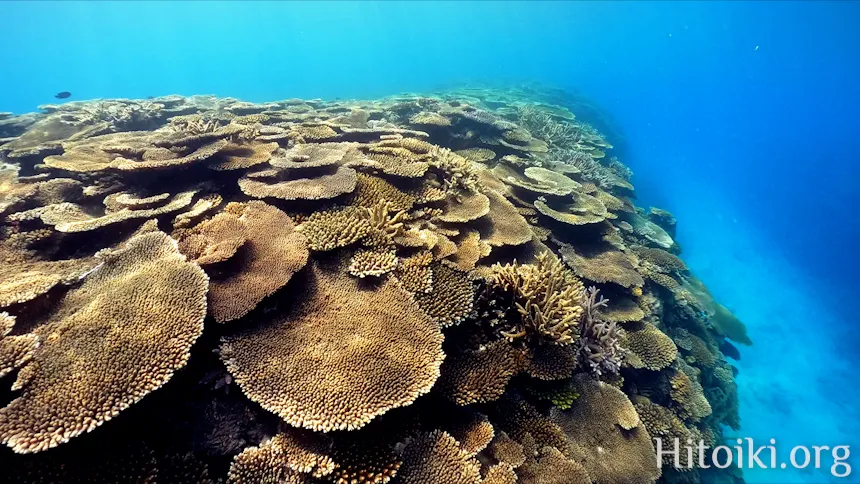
(454, 287)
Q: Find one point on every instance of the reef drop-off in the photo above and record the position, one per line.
(453, 287)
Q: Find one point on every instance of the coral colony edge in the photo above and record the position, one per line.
(453, 287)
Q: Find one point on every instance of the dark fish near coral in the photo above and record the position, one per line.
(150, 97)
(62, 95)
(730, 350)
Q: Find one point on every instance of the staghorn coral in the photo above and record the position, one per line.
(318, 365)
(91, 363)
(546, 295)
(273, 251)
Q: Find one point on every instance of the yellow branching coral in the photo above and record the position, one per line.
(603, 421)
(602, 265)
(451, 296)
(436, 458)
(92, 362)
(340, 356)
(272, 253)
(215, 240)
(331, 229)
(384, 219)
(546, 296)
(651, 347)
(481, 375)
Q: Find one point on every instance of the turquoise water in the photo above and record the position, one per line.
(740, 118)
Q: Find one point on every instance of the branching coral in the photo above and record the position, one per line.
(598, 339)
(547, 297)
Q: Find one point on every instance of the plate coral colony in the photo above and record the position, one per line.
(445, 288)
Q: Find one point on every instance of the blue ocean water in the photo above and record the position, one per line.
(740, 118)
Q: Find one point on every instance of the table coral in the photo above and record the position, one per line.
(318, 366)
(92, 362)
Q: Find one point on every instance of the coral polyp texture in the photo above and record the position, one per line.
(453, 287)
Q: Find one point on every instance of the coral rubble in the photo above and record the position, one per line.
(445, 288)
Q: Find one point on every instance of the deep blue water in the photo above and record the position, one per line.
(740, 118)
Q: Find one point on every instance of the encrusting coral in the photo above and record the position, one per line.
(445, 288)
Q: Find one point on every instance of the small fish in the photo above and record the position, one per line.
(62, 95)
(150, 97)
